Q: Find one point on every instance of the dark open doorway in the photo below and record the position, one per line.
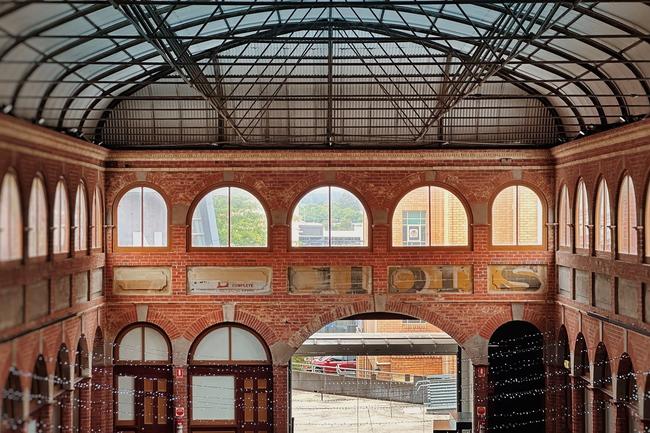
(516, 401)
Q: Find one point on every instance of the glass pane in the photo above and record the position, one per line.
(126, 398)
(131, 346)
(155, 346)
(504, 215)
(530, 217)
(247, 220)
(214, 346)
(210, 220)
(129, 219)
(246, 346)
(448, 219)
(80, 220)
(565, 218)
(11, 228)
(310, 222)
(37, 237)
(603, 219)
(97, 221)
(62, 225)
(154, 219)
(213, 398)
(409, 225)
(349, 224)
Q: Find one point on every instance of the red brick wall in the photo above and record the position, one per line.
(279, 179)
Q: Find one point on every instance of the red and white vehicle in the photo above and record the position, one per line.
(334, 364)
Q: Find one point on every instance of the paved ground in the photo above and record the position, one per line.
(340, 414)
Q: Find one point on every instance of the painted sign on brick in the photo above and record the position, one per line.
(220, 280)
(517, 278)
(430, 279)
(330, 280)
(136, 280)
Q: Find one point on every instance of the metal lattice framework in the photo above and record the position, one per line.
(175, 73)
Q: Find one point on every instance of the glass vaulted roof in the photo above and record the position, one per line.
(176, 73)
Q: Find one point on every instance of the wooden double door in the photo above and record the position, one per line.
(241, 403)
(143, 400)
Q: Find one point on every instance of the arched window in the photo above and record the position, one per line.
(37, 237)
(142, 343)
(61, 225)
(97, 215)
(80, 219)
(329, 217)
(230, 343)
(142, 219)
(11, 223)
(603, 218)
(229, 217)
(517, 217)
(582, 217)
(564, 221)
(627, 242)
(230, 368)
(430, 216)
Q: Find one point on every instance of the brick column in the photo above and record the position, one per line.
(44, 419)
(280, 399)
(622, 418)
(84, 405)
(598, 408)
(579, 404)
(180, 397)
(481, 392)
(558, 402)
(66, 411)
(99, 407)
(107, 398)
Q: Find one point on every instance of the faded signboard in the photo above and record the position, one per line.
(430, 279)
(96, 283)
(80, 284)
(135, 280)
(219, 280)
(11, 310)
(330, 280)
(517, 278)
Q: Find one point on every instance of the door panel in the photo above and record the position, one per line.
(251, 397)
(143, 400)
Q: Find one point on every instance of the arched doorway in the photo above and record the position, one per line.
(230, 381)
(627, 394)
(603, 407)
(582, 419)
(12, 403)
(142, 376)
(563, 361)
(516, 400)
(61, 397)
(38, 398)
(379, 371)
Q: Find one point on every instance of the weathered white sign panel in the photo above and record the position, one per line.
(219, 280)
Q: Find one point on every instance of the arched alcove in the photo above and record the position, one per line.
(516, 401)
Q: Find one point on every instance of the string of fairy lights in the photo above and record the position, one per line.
(212, 397)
